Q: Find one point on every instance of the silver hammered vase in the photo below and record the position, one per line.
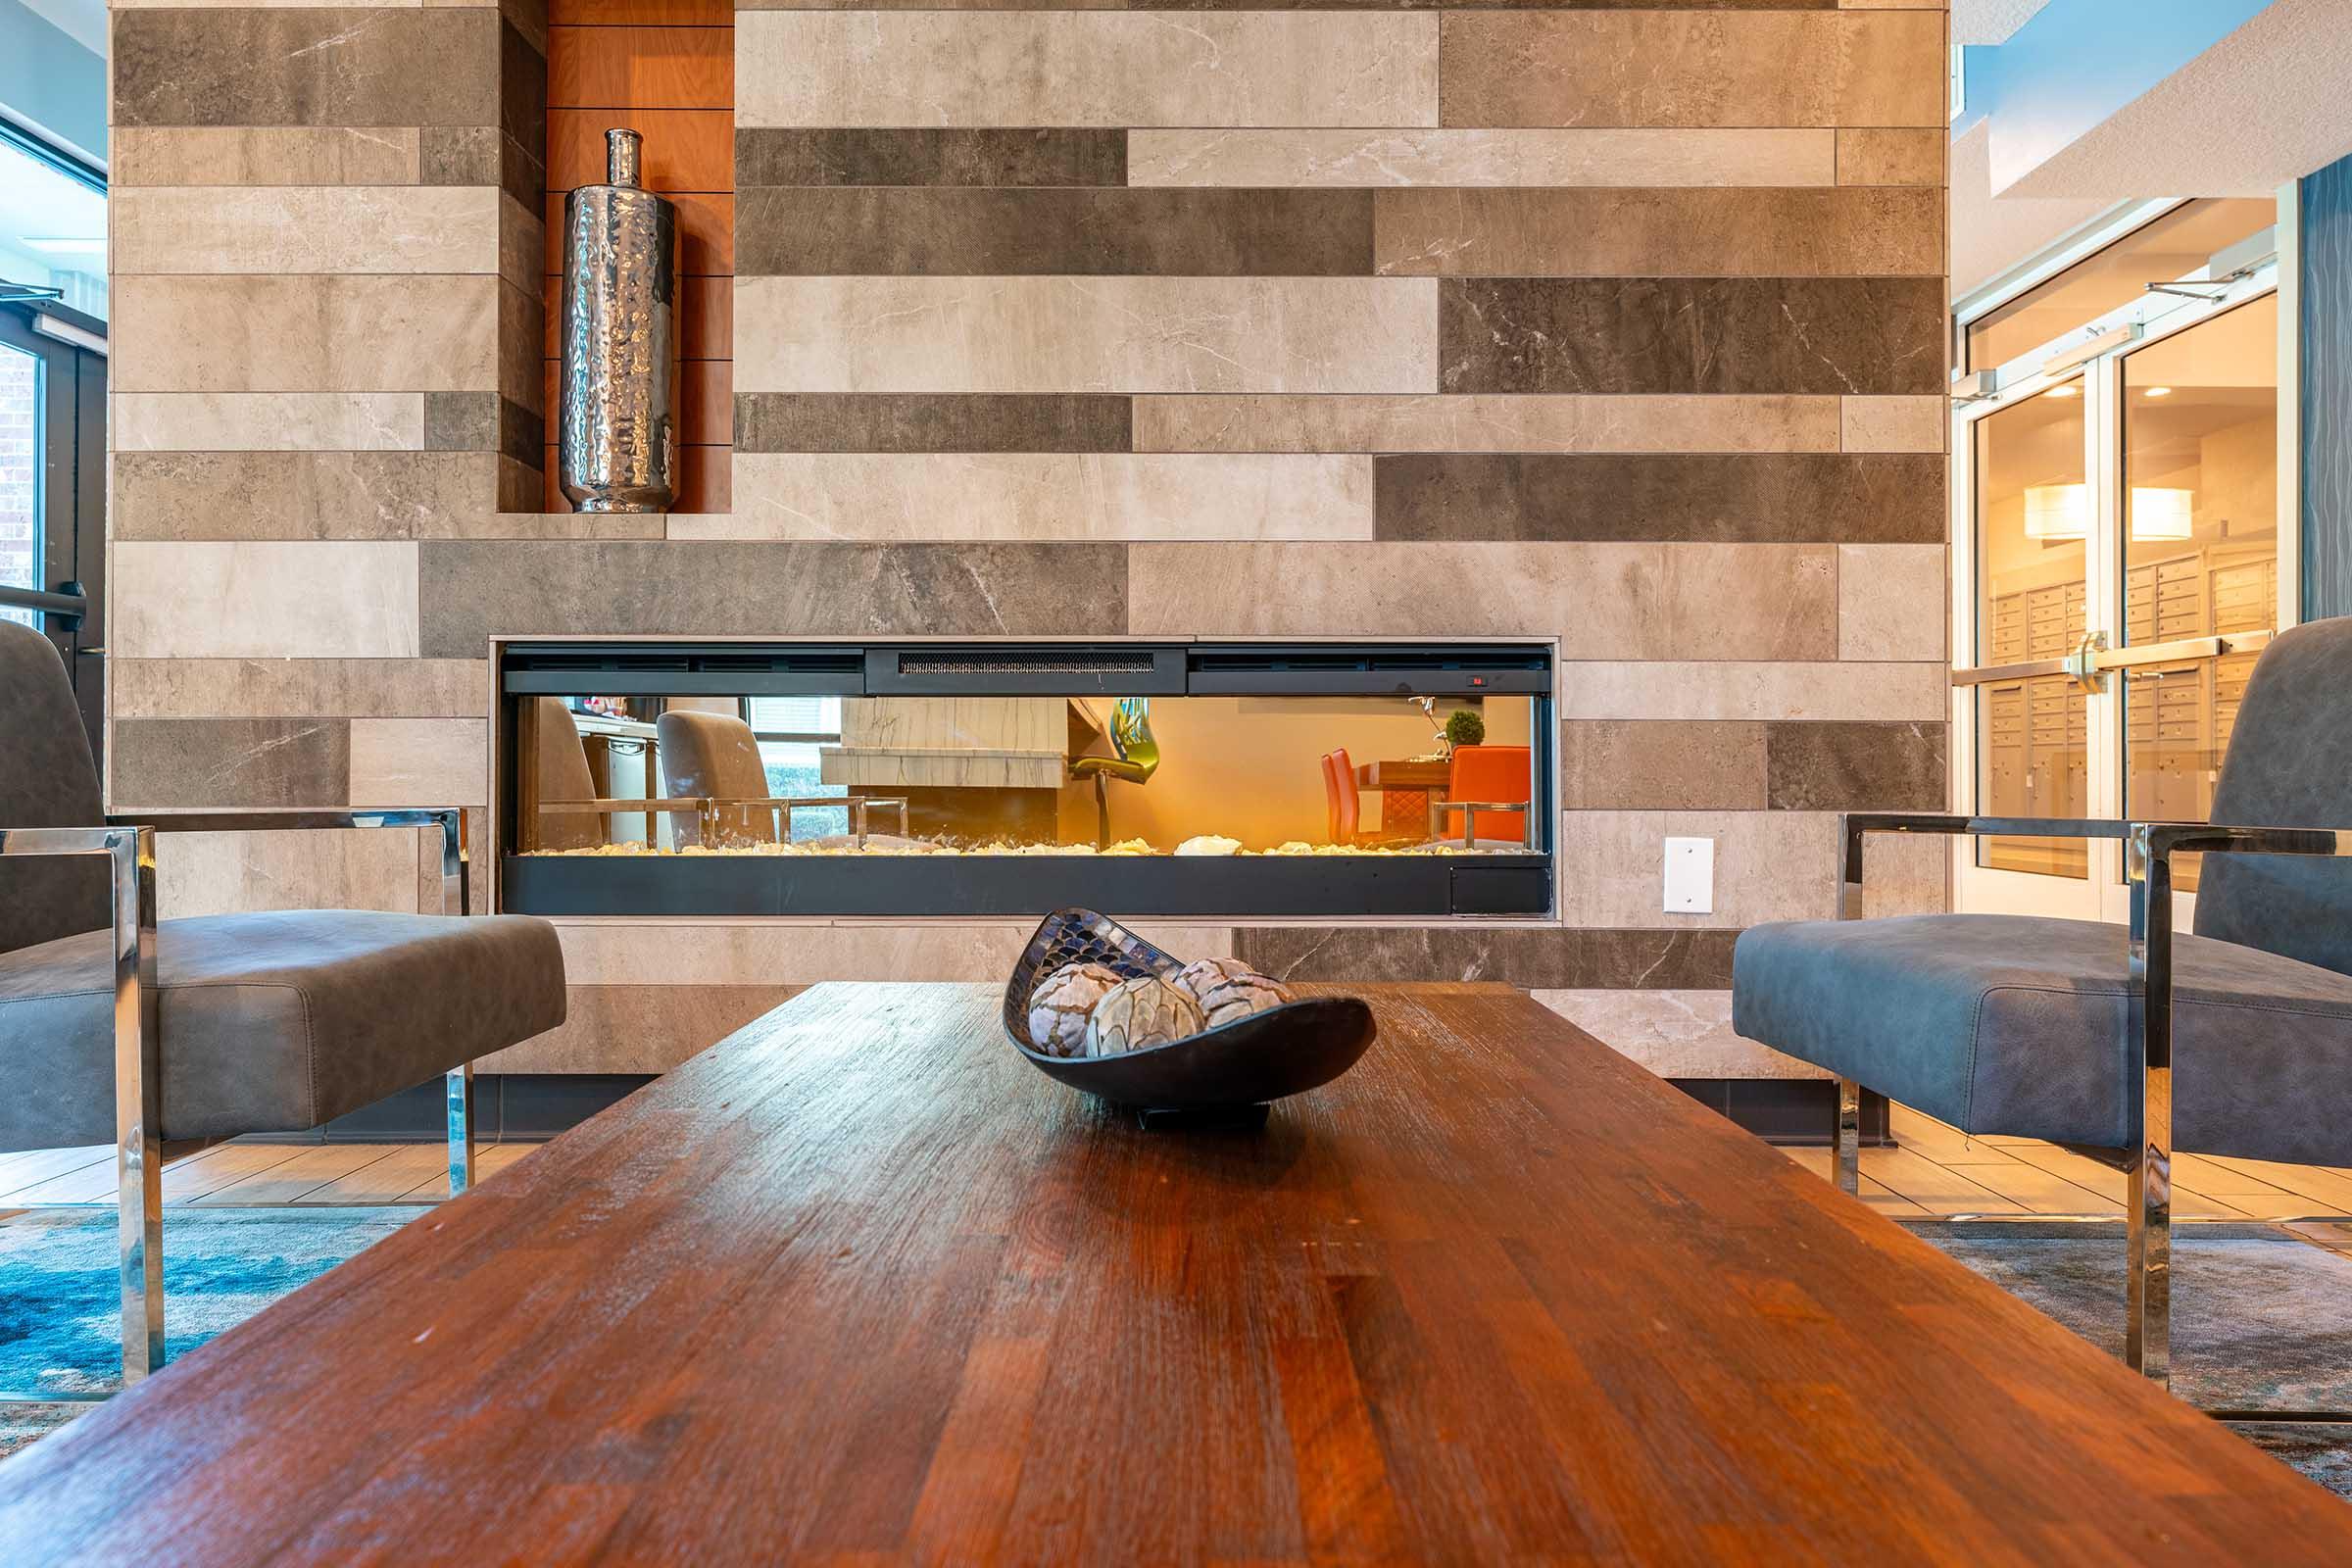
(618, 421)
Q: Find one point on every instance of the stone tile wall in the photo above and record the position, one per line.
(1617, 324)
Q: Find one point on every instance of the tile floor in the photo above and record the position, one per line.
(1934, 1169)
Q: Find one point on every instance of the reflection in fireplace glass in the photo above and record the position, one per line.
(1335, 774)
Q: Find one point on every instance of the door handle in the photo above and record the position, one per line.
(72, 606)
(2092, 661)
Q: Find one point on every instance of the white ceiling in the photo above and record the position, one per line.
(2264, 106)
(1991, 21)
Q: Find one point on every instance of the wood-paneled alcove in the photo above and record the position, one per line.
(664, 69)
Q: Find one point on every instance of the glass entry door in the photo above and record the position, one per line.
(2116, 574)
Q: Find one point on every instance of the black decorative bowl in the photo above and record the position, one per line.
(1229, 1069)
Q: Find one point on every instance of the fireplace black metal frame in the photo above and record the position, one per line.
(1258, 887)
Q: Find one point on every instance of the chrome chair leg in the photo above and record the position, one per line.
(1845, 1139)
(459, 1093)
(138, 1103)
(2148, 1274)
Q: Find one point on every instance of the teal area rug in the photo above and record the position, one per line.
(61, 1316)
(2261, 1318)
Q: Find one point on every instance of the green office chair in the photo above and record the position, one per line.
(1137, 762)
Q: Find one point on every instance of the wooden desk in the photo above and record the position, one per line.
(858, 1285)
(1405, 775)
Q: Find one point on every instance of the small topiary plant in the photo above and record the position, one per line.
(1465, 728)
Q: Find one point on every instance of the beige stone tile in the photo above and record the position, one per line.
(223, 5)
(1485, 423)
(1662, 764)
(1893, 425)
(264, 600)
(1014, 68)
(265, 155)
(1655, 68)
(1030, 495)
(1467, 157)
(1717, 689)
(1763, 602)
(1883, 156)
(268, 421)
(298, 687)
(1905, 874)
(703, 953)
(1086, 334)
(303, 228)
(1892, 602)
(419, 761)
(1769, 866)
(337, 495)
(1748, 602)
(1675, 1034)
(635, 1029)
(305, 334)
(319, 869)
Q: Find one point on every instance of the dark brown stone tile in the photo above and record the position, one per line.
(522, 91)
(1858, 231)
(1684, 335)
(1794, 497)
(1661, 766)
(820, 422)
(944, 230)
(465, 155)
(461, 421)
(1532, 958)
(523, 327)
(1846, 766)
(482, 421)
(297, 495)
(435, 66)
(473, 590)
(999, 158)
(232, 762)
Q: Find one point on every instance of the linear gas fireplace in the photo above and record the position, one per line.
(938, 778)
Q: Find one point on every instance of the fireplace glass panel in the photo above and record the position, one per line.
(998, 779)
(1046, 775)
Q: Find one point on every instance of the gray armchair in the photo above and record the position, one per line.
(116, 1027)
(2067, 1030)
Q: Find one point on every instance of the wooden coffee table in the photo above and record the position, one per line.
(858, 1285)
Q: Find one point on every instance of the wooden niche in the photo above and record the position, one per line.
(664, 69)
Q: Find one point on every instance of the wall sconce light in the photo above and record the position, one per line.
(2162, 514)
(2058, 511)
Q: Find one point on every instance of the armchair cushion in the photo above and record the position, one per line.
(2019, 1026)
(270, 1022)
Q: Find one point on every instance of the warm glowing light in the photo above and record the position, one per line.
(2162, 514)
(2058, 511)
(2159, 392)
(2070, 390)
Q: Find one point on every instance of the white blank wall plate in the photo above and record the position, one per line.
(1690, 876)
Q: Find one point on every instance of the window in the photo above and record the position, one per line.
(791, 732)
(52, 228)
(2173, 246)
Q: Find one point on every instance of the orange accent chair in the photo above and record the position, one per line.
(1342, 803)
(1498, 773)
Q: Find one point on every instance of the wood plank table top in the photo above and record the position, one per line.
(1402, 775)
(859, 1286)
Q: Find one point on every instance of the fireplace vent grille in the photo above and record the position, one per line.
(1026, 663)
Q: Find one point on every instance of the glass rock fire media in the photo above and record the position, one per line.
(926, 778)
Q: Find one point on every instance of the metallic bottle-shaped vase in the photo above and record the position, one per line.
(619, 436)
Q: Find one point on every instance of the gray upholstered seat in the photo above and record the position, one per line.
(270, 1022)
(262, 1022)
(716, 756)
(2234, 1041)
(2008, 1025)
